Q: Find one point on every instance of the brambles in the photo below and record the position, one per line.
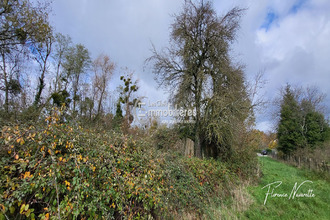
(56, 169)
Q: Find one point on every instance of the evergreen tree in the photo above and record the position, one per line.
(290, 135)
(316, 129)
(301, 124)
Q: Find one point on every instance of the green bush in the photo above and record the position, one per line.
(74, 173)
(54, 169)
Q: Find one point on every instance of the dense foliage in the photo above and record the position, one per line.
(57, 169)
(200, 74)
(301, 124)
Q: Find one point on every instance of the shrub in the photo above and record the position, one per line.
(60, 170)
(55, 169)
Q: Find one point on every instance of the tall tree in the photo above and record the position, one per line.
(103, 70)
(21, 23)
(77, 61)
(10, 75)
(42, 51)
(197, 66)
(302, 123)
(126, 97)
(61, 47)
(290, 133)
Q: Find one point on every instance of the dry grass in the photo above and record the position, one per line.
(241, 201)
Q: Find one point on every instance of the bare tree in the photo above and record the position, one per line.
(77, 61)
(10, 74)
(22, 23)
(42, 51)
(103, 70)
(62, 45)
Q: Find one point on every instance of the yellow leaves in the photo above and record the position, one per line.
(2, 208)
(47, 216)
(60, 159)
(70, 206)
(130, 183)
(9, 152)
(92, 167)
(20, 140)
(67, 185)
(27, 175)
(53, 145)
(272, 144)
(113, 205)
(68, 145)
(49, 118)
(23, 208)
(31, 136)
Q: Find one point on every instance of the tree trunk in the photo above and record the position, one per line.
(75, 91)
(43, 65)
(6, 83)
(100, 103)
(57, 79)
(41, 86)
(198, 146)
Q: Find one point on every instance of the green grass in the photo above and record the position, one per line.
(317, 207)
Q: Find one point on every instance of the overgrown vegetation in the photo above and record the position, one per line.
(201, 75)
(70, 150)
(57, 169)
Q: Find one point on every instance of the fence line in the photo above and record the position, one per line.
(308, 162)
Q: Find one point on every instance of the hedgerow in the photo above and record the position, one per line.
(55, 170)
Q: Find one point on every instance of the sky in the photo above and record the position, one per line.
(289, 41)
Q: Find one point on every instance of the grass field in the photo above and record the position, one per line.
(313, 203)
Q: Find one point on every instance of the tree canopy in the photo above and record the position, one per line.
(199, 71)
(301, 124)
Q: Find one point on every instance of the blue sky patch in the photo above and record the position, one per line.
(269, 20)
(297, 6)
